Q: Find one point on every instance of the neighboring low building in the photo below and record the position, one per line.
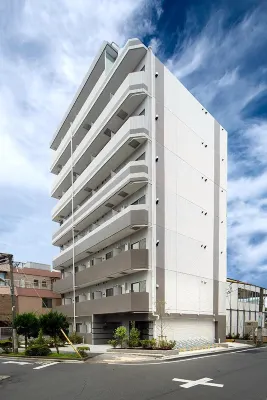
(33, 290)
(5, 298)
(242, 307)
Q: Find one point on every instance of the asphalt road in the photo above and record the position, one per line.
(242, 375)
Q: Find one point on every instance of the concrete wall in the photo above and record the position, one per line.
(195, 238)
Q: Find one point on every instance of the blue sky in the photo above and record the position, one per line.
(218, 49)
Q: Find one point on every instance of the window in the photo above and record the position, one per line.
(36, 283)
(109, 255)
(141, 244)
(109, 292)
(142, 157)
(97, 295)
(44, 284)
(138, 286)
(76, 269)
(77, 299)
(143, 112)
(2, 278)
(79, 327)
(143, 68)
(142, 200)
(46, 303)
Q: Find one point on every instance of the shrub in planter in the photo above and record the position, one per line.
(120, 334)
(148, 343)
(166, 344)
(6, 346)
(134, 336)
(113, 342)
(75, 339)
(83, 350)
(37, 350)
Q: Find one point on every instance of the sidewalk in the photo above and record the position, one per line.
(118, 358)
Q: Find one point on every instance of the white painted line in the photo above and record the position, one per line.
(227, 353)
(16, 362)
(2, 377)
(46, 365)
(204, 382)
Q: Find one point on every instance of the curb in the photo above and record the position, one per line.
(181, 357)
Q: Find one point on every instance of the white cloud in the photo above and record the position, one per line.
(46, 49)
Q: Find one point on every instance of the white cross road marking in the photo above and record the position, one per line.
(16, 362)
(204, 381)
(46, 365)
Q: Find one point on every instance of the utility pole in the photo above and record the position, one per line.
(8, 259)
(259, 330)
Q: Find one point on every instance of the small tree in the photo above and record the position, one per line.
(134, 336)
(160, 311)
(52, 323)
(120, 334)
(27, 324)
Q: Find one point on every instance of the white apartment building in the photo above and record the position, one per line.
(141, 177)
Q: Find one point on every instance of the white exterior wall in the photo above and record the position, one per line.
(189, 190)
(187, 328)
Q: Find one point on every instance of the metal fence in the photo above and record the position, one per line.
(5, 332)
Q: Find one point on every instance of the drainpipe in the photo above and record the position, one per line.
(73, 249)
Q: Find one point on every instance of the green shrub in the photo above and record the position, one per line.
(75, 339)
(120, 334)
(246, 336)
(37, 350)
(6, 346)
(113, 342)
(166, 344)
(82, 350)
(148, 343)
(134, 336)
(229, 336)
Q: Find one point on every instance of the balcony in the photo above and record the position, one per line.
(123, 303)
(94, 148)
(123, 145)
(125, 183)
(125, 263)
(116, 228)
(128, 58)
(129, 95)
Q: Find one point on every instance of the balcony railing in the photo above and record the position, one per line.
(82, 159)
(126, 262)
(119, 226)
(128, 180)
(134, 81)
(99, 170)
(123, 303)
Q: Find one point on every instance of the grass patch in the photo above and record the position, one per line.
(64, 355)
